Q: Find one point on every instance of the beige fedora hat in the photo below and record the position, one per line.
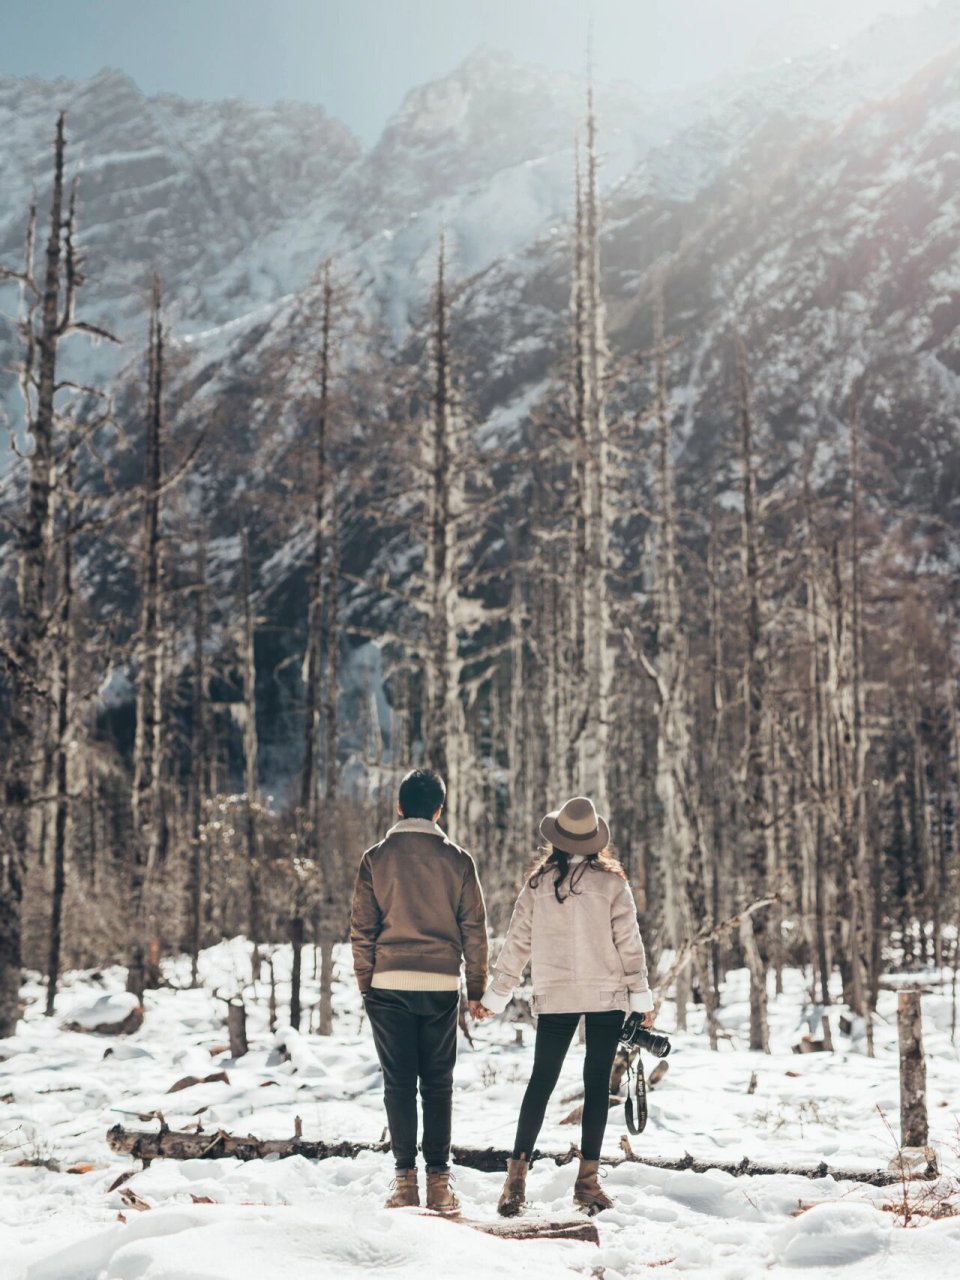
(576, 828)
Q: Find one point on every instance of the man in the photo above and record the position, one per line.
(417, 912)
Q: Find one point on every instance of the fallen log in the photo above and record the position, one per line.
(753, 1168)
(533, 1229)
(172, 1144)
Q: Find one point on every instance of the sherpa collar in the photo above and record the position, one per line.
(423, 825)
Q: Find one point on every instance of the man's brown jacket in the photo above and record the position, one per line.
(417, 905)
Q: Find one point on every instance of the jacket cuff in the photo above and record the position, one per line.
(641, 1001)
(494, 1001)
(474, 990)
(365, 983)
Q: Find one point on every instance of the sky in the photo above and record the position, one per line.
(358, 58)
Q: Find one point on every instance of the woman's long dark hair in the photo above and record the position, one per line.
(558, 860)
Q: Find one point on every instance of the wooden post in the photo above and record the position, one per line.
(913, 1071)
(237, 1028)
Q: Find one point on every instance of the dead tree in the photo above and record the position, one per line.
(251, 788)
(331, 643)
(313, 657)
(717, 740)
(589, 585)
(148, 750)
(858, 849)
(443, 721)
(64, 699)
(754, 694)
(819, 750)
(48, 316)
(668, 668)
(199, 757)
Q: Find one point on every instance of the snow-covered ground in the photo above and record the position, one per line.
(228, 1220)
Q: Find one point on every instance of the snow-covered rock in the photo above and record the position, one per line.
(117, 1013)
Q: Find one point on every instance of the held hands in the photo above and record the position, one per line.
(479, 1011)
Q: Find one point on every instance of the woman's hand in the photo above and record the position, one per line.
(479, 1011)
(646, 1019)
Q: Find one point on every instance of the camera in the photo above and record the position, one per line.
(636, 1036)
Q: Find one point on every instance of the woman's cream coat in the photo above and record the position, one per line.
(586, 952)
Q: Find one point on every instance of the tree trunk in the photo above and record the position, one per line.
(148, 745)
(25, 671)
(237, 1028)
(914, 1130)
(296, 942)
(754, 688)
(591, 675)
(326, 983)
(331, 643)
(313, 658)
(200, 762)
(65, 643)
(447, 746)
(819, 762)
(250, 755)
(175, 1145)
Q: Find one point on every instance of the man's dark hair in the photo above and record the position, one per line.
(422, 793)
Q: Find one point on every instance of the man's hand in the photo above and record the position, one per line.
(479, 1011)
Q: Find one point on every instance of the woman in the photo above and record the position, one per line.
(576, 918)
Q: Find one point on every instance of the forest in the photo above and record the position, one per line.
(750, 668)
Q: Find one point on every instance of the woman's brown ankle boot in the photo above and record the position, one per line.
(512, 1197)
(587, 1192)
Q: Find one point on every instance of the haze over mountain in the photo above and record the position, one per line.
(812, 204)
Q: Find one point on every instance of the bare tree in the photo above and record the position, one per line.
(199, 755)
(443, 722)
(251, 789)
(64, 700)
(754, 693)
(590, 584)
(668, 667)
(147, 796)
(313, 657)
(48, 316)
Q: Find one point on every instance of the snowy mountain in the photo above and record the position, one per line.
(236, 205)
(810, 205)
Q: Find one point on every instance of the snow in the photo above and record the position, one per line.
(230, 1220)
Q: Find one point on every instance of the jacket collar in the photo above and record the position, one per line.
(423, 825)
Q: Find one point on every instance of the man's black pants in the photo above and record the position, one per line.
(554, 1033)
(415, 1033)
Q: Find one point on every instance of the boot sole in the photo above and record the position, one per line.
(591, 1208)
(511, 1212)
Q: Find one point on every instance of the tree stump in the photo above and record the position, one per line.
(237, 1028)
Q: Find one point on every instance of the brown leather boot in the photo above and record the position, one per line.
(404, 1191)
(512, 1197)
(439, 1196)
(587, 1192)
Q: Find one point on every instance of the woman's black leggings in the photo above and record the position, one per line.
(554, 1033)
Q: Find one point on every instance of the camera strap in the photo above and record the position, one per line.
(637, 1115)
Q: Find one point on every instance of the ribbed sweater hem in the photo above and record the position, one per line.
(412, 980)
